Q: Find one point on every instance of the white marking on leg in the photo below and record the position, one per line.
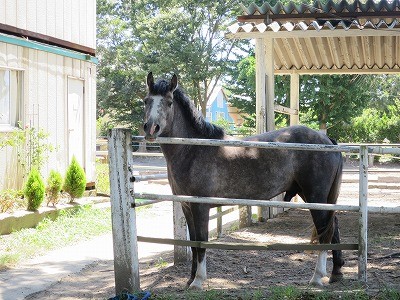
(201, 275)
(320, 268)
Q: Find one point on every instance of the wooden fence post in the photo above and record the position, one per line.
(181, 254)
(244, 216)
(123, 215)
(219, 222)
(363, 218)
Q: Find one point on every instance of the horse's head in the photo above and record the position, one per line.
(158, 106)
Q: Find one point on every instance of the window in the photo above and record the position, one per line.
(10, 98)
(209, 116)
(220, 101)
(220, 115)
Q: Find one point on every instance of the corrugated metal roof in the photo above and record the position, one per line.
(357, 36)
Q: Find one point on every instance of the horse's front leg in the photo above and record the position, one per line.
(197, 217)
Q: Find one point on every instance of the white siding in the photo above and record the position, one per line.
(69, 20)
(44, 97)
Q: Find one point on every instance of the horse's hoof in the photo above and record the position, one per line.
(317, 283)
(195, 287)
(335, 278)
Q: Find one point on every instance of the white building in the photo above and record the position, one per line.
(48, 81)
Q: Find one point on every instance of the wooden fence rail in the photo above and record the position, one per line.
(123, 206)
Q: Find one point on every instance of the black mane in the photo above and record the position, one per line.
(190, 112)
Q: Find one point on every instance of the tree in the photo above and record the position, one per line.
(329, 100)
(380, 118)
(120, 85)
(325, 100)
(182, 37)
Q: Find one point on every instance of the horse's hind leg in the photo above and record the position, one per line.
(321, 222)
(338, 260)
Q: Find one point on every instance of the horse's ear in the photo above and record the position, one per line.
(150, 81)
(174, 83)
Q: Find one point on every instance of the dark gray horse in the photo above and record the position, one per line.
(235, 172)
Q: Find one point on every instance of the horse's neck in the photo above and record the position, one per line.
(182, 128)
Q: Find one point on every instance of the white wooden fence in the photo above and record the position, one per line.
(126, 264)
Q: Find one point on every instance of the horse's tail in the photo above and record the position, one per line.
(326, 236)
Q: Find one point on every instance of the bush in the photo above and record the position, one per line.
(75, 180)
(11, 199)
(34, 189)
(54, 185)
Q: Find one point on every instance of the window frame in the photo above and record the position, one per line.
(15, 99)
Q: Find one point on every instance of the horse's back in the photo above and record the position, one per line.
(292, 134)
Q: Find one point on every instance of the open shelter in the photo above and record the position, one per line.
(334, 38)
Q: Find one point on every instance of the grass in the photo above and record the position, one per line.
(281, 292)
(102, 178)
(70, 227)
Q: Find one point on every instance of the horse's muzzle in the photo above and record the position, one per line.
(151, 131)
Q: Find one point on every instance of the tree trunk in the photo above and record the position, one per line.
(322, 127)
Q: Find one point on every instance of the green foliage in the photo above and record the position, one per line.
(102, 126)
(373, 126)
(284, 292)
(34, 190)
(75, 180)
(31, 144)
(48, 234)
(102, 178)
(54, 185)
(11, 199)
(389, 294)
(183, 37)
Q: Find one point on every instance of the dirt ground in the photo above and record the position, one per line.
(239, 271)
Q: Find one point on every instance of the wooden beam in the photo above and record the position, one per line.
(261, 121)
(285, 110)
(356, 70)
(325, 32)
(270, 83)
(363, 218)
(7, 29)
(261, 118)
(323, 16)
(295, 98)
(247, 246)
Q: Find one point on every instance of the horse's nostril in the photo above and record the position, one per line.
(157, 128)
(145, 126)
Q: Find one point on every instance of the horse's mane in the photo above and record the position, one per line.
(190, 112)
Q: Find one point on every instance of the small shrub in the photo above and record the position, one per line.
(11, 199)
(34, 189)
(75, 180)
(54, 185)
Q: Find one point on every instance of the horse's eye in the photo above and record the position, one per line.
(146, 101)
(169, 103)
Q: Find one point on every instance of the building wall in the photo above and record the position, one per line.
(69, 20)
(218, 105)
(44, 97)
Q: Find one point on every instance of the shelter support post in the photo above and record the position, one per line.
(126, 262)
(294, 97)
(261, 116)
(265, 77)
(363, 218)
